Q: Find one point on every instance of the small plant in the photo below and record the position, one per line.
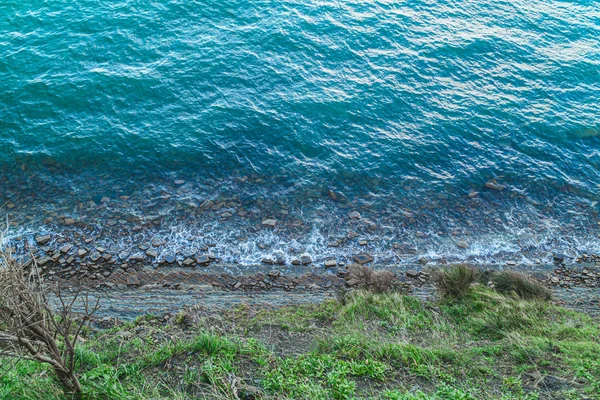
(514, 283)
(377, 281)
(456, 281)
(34, 328)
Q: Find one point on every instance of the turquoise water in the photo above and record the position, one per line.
(400, 108)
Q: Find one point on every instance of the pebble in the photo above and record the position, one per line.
(152, 253)
(494, 185)
(412, 273)
(363, 258)
(362, 242)
(269, 222)
(95, 256)
(66, 248)
(330, 263)
(169, 259)
(203, 259)
(462, 244)
(42, 239)
(137, 257)
(305, 260)
(355, 215)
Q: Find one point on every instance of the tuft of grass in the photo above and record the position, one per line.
(376, 281)
(514, 283)
(455, 282)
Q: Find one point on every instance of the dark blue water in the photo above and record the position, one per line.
(304, 111)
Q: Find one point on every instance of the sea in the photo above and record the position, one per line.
(431, 131)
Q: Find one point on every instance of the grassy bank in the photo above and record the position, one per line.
(364, 345)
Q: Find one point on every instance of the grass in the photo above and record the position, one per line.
(480, 345)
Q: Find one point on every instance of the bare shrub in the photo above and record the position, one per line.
(31, 329)
(378, 281)
(514, 283)
(454, 282)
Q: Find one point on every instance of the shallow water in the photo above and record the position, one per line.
(401, 110)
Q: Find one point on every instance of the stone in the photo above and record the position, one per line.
(305, 260)
(203, 259)
(152, 253)
(494, 185)
(511, 263)
(95, 256)
(296, 262)
(137, 257)
(362, 258)
(43, 239)
(560, 258)
(362, 242)
(179, 182)
(462, 244)
(82, 252)
(66, 248)
(330, 263)
(133, 281)
(237, 285)
(188, 262)
(69, 221)
(274, 273)
(169, 259)
(352, 282)
(269, 222)
(370, 224)
(355, 215)
(412, 273)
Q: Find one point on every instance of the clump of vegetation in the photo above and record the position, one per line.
(456, 281)
(376, 281)
(33, 328)
(514, 283)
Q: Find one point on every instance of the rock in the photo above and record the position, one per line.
(267, 261)
(355, 215)
(420, 235)
(152, 253)
(352, 282)
(462, 244)
(133, 281)
(423, 260)
(412, 273)
(203, 259)
(169, 259)
(370, 224)
(492, 184)
(95, 256)
(82, 252)
(305, 260)
(43, 261)
(69, 221)
(188, 262)
(274, 273)
(137, 257)
(43, 239)
(330, 263)
(511, 263)
(362, 258)
(559, 258)
(237, 285)
(296, 262)
(269, 222)
(179, 182)
(362, 242)
(66, 248)
(554, 280)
